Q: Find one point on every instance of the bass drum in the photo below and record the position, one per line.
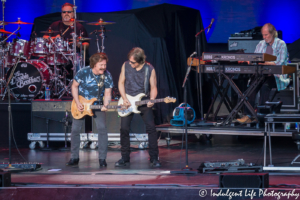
(29, 79)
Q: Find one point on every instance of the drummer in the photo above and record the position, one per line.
(65, 26)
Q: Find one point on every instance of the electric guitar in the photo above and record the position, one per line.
(136, 101)
(88, 107)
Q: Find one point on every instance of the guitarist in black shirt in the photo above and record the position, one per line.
(138, 76)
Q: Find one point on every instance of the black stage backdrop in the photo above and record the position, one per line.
(167, 34)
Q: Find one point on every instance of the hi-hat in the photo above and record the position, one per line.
(82, 39)
(49, 31)
(18, 22)
(6, 32)
(101, 23)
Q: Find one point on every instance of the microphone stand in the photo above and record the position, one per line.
(202, 122)
(74, 42)
(186, 169)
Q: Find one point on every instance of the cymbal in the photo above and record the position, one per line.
(77, 20)
(18, 22)
(3, 23)
(101, 23)
(49, 31)
(82, 39)
(6, 32)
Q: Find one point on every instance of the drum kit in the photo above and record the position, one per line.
(41, 63)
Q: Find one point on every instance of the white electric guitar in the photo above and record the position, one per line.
(136, 101)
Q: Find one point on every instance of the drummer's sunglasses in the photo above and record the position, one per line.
(66, 11)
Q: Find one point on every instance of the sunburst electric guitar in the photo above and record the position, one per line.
(88, 107)
(136, 101)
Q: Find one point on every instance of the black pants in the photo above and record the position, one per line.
(265, 88)
(147, 116)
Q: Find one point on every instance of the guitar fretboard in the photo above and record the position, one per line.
(100, 106)
(138, 103)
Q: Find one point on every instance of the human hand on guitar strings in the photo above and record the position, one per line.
(80, 107)
(150, 104)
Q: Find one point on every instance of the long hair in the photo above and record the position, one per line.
(138, 55)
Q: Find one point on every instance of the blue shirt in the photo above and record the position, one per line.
(88, 86)
(280, 51)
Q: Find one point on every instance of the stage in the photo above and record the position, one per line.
(139, 176)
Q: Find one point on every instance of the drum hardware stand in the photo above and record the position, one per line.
(102, 37)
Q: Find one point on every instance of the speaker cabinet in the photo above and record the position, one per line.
(5, 179)
(290, 95)
(54, 111)
(113, 122)
(244, 180)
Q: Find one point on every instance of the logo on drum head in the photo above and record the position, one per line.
(24, 65)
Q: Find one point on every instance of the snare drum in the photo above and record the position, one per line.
(39, 47)
(29, 79)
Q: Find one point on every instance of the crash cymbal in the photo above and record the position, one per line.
(18, 22)
(82, 39)
(101, 23)
(49, 31)
(6, 32)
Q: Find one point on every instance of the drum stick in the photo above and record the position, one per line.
(65, 31)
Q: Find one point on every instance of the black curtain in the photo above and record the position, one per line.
(167, 34)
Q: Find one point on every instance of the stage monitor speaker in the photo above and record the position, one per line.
(5, 179)
(55, 111)
(113, 122)
(244, 180)
(290, 95)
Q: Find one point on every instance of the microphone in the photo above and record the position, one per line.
(193, 54)
(211, 22)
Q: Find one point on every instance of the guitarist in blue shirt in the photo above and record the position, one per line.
(137, 76)
(92, 82)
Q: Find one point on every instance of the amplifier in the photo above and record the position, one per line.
(54, 112)
(113, 122)
(290, 95)
(248, 45)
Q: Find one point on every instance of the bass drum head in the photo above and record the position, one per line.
(26, 82)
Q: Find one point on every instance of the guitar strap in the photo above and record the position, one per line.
(100, 86)
(147, 79)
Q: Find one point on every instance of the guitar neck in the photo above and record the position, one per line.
(100, 106)
(139, 103)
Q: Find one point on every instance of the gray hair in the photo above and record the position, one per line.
(272, 29)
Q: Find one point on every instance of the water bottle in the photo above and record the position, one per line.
(47, 94)
(296, 126)
(287, 126)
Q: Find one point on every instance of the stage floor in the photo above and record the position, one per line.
(139, 172)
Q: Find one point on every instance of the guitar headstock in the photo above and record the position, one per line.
(169, 100)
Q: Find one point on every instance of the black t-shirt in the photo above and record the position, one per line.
(61, 27)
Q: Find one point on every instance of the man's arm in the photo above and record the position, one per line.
(121, 86)
(75, 86)
(153, 88)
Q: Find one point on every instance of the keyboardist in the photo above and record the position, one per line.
(270, 44)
